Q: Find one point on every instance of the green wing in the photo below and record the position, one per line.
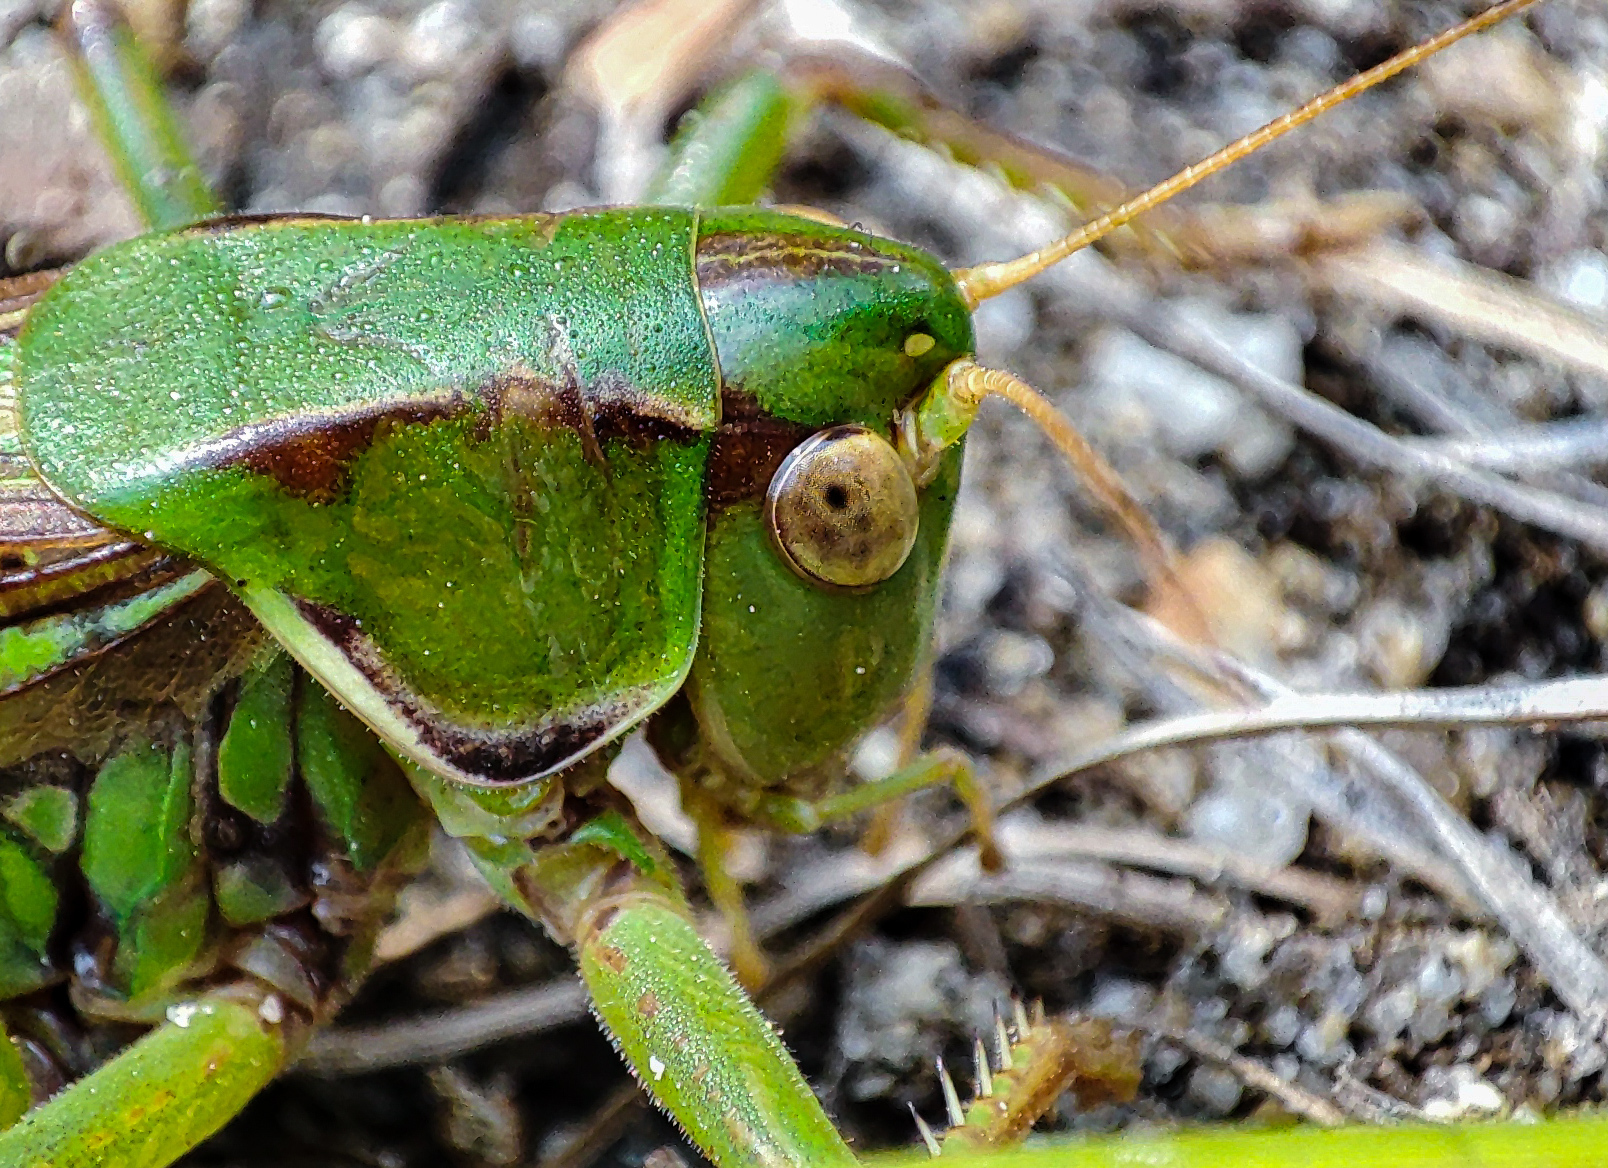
(455, 466)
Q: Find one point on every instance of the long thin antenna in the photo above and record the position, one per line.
(979, 283)
(946, 412)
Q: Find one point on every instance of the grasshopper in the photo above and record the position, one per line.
(322, 457)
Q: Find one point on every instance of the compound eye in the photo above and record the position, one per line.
(842, 509)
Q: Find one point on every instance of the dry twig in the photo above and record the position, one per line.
(1295, 1099)
(1528, 913)
(1363, 442)
(1470, 300)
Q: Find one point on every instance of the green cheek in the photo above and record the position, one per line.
(789, 675)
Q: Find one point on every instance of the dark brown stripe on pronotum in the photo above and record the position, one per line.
(311, 455)
(748, 448)
(609, 408)
(491, 757)
(737, 257)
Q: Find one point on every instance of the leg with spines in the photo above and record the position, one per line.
(693, 1038)
(1037, 1060)
(715, 837)
(938, 768)
(187, 1077)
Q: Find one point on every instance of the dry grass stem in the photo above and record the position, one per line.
(1359, 440)
(1528, 913)
(355, 1050)
(1293, 1098)
(1475, 302)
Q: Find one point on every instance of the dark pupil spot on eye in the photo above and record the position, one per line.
(837, 497)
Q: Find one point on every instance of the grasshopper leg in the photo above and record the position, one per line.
(887, 94)
(913, 715)
(714, 845)
(801, 815)
(726, 151)
(161, 1096)
(935, 768)
(694, 1039)
(132, 117)
(16, 1094)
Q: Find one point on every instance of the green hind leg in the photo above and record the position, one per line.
(158, 1099)
(727, 150)
(16, 1092)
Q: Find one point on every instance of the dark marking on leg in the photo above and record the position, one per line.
(613, 957)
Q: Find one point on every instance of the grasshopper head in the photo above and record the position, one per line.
(820, 325)
(824, 551)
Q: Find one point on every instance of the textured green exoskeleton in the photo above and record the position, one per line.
(501, 521)
(318, 530)
(395, 440)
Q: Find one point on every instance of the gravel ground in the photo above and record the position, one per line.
(1263, 898)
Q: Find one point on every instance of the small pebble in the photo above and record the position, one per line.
(442, 39)
(1215, 1090)
(1388, 1015)
(1579, 278)
(1460, 1093)
(1283, 1026)
(353, 40)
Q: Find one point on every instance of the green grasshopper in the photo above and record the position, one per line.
(415, 523)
